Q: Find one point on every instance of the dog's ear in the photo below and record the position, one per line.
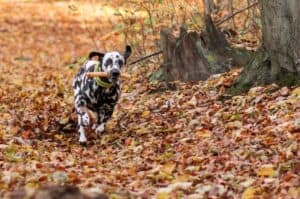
(127, 52)
(96, 54)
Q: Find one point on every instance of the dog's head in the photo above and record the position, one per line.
(112, 62)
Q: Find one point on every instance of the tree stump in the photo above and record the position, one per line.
(195, 56)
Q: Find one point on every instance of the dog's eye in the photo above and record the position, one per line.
(108, 62)
(120, 62)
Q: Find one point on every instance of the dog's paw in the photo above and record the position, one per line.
(85, 119)
(100, 128)
(94, 126)
(82, 138)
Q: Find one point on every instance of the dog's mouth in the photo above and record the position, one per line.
(114, 76)
(114, 79)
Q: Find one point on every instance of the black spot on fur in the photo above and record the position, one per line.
(108, 62)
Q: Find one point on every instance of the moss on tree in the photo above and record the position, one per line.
(258, 73)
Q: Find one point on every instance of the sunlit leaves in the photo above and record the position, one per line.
(296, 92)
(250, 193)
(267, 171)
(187, 143)
(168, 168)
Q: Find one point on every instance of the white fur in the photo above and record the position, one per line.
(82, 137)
(100, 128)
(91, 63)
(115, 56)
(86, 119)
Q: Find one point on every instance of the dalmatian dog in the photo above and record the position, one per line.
(98, 95)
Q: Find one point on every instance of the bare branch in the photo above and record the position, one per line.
(236, 13)
(146, 57)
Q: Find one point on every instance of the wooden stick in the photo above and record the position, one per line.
(96, 74)
(103, 74)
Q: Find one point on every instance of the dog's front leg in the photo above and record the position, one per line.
(83, 121)
(100, 128)
(103, 115)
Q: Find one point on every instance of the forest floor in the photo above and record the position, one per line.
(188, 143)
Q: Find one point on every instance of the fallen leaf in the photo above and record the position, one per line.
(193, 101)
(146, 114)
(296, 91)
(172, 187)
(169, 167)
(26, 134)
(204, 133)
(266, 170)
(60, 177)
(294, 192)
(250, 193)
(162, 195)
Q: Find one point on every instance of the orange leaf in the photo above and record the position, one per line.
(266, 170)
(169, 167)
(26, 134)
(250, 193)
(204, 133)
(145, 114)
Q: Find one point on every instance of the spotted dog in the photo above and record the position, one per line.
(99, 95)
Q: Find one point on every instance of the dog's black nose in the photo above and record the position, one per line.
(115, 73)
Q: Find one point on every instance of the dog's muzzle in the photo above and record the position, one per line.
(115, 74)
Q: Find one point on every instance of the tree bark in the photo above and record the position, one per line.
(278, 60)
(281, 33)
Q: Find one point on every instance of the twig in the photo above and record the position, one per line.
(146, 57)
(237, 12)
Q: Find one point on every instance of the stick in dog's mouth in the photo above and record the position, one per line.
(103, 74)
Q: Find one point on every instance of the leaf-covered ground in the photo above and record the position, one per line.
(188, 143)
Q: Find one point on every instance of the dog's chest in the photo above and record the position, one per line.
(99, 96)
(106, 95)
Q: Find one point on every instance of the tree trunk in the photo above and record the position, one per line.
(281, 33)
(279, 57)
